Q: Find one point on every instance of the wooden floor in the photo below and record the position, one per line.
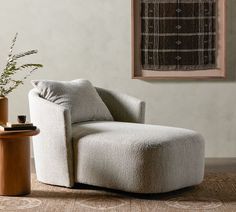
(221, 165)
(217, 193)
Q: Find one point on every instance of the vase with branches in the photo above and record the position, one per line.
(8, 76)
(7, 81)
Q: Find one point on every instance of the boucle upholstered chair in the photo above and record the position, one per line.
(123, 154)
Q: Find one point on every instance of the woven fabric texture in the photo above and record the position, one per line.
(178, 34)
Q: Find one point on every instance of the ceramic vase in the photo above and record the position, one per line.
(3, 110)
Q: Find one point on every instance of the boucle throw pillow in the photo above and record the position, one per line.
(79, 96)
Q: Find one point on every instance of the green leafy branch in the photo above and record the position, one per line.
(7, 81)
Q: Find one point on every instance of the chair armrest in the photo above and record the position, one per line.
(123, 107)
(53, 146)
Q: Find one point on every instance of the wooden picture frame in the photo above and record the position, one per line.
(138, 72)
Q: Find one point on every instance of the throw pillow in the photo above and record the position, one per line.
(79, 96)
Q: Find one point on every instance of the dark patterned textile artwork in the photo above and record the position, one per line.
(178, 35)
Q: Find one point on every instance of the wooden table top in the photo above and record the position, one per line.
(18, 133)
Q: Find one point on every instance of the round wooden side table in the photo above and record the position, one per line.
(15, 162)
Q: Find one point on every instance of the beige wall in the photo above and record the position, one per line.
(91, 39)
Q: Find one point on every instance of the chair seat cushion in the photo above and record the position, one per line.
(137, 157)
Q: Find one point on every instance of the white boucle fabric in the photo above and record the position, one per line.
(123, 107)
(116, 154)
(79, 96)
(136, 157)
(53, 146)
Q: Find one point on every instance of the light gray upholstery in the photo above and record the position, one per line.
(137, 158)
(122, 154)
(123, 107)
(72, 95)
(53, 146)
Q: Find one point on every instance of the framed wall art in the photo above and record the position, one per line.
(178, 39)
